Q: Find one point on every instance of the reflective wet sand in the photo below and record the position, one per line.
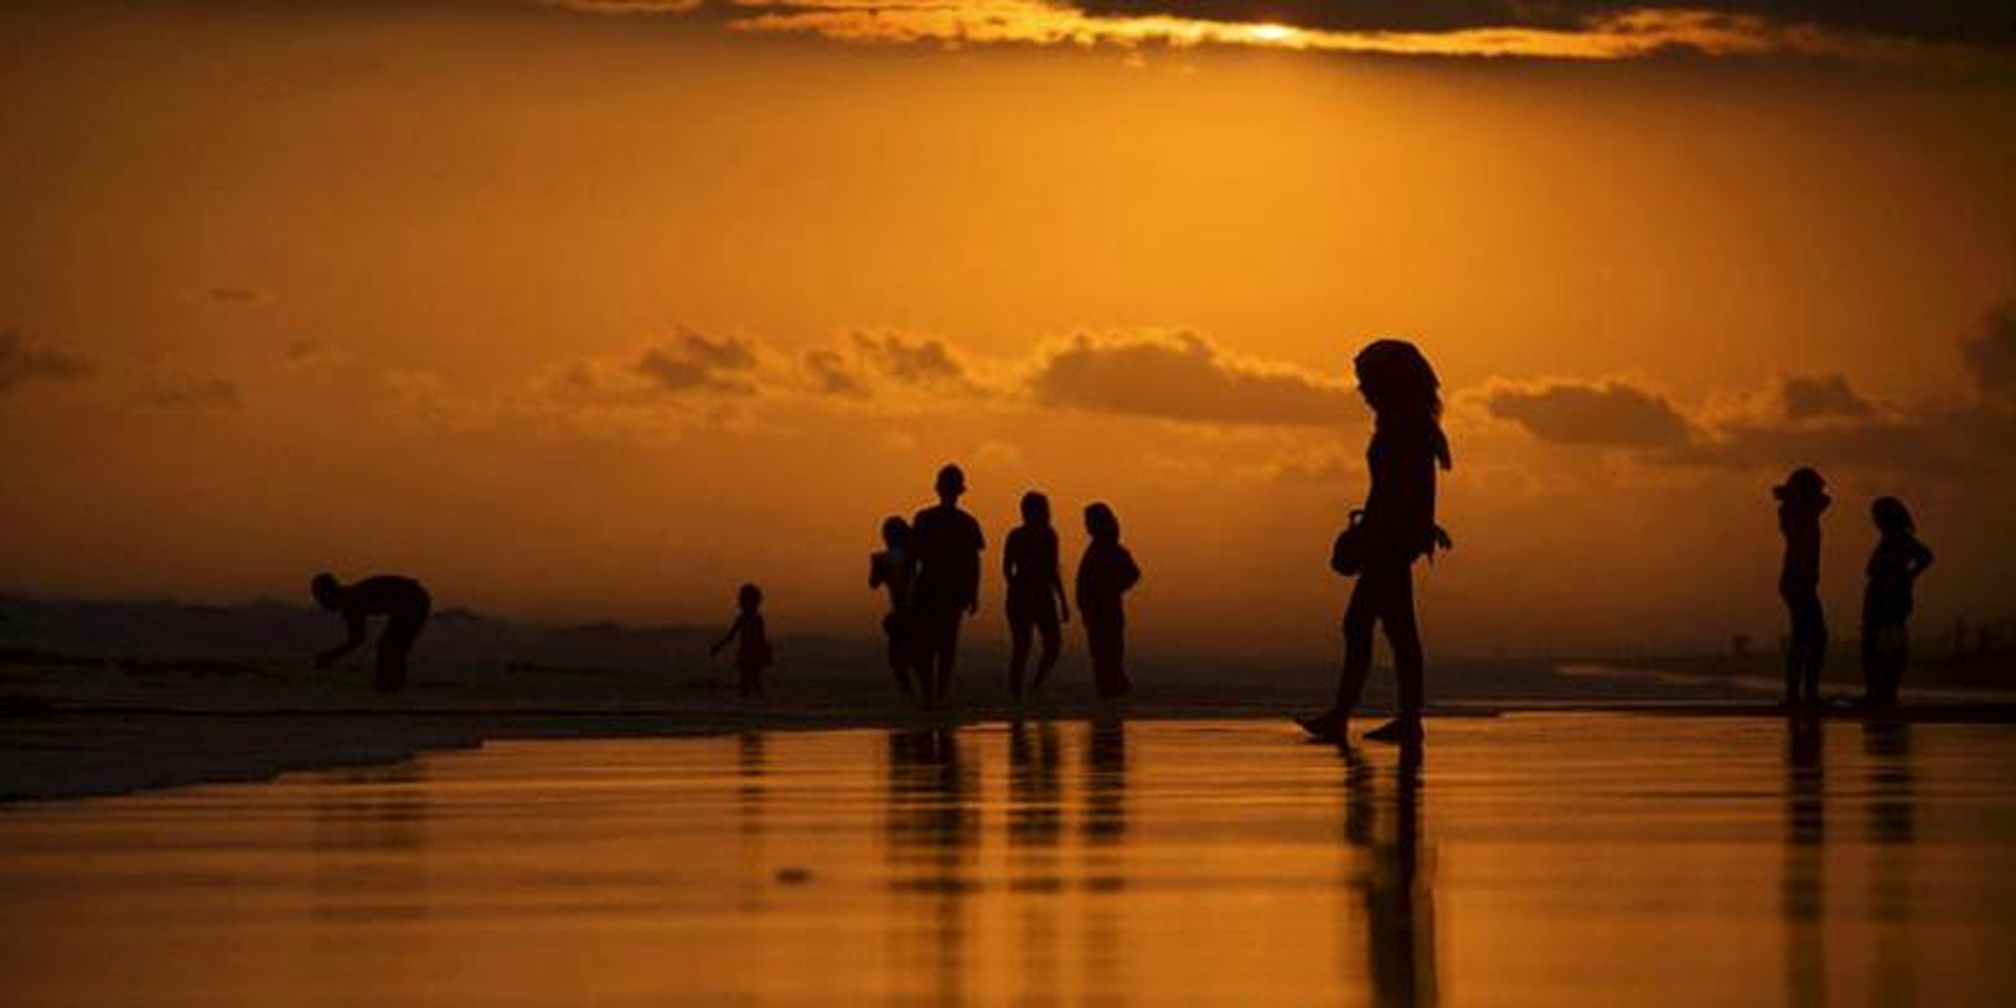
(1539, 859)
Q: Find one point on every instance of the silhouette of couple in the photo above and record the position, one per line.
(931, 570)
(1893, 569)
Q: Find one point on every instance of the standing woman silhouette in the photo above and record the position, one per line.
(1397, 528)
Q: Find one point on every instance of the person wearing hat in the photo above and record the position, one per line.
(947, 543)
(1801, 499)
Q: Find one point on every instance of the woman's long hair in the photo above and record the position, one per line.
(1399, 384)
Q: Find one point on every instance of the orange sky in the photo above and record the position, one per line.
(588, 315)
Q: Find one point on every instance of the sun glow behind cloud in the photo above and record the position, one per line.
(1623, 35)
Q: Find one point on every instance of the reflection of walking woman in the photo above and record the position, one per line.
(1801, 499)
(1398, 527)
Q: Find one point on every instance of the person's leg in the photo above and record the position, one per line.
(948, 651)
(1795, 650)
(1403, 636)
(1359, 616)
(1018, 652)
(1872, 662)
(1116, 657)
(1817, 653)
(395, 643)
(899, 651)
(1053, 644)
(1099, 647)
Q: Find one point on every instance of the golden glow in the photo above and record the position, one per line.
(1624, 35)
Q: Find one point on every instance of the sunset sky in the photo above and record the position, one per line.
(595, 309)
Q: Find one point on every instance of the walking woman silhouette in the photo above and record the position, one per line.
(1395, 528)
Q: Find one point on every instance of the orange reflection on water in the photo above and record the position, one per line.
(1559, 858)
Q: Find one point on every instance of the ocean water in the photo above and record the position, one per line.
(1545, 859)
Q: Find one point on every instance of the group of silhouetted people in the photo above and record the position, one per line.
(930, 568)
(1893, 569)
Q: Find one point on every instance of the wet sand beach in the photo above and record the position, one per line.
(1524, 859)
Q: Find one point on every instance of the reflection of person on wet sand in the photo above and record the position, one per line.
(1035, 592)
(401, 600)
(1397, 528)
(895, 568)
(1105, 574)
(947, 543)
(1394, 886)
(1894, 567)
(1801, 499)
(1801, 886)
(752, 654)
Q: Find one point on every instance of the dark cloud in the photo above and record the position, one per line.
(217, 394)
(1969, 21)
(914, 360)
(20, 363)
(1824, 422)
(1991, 356)
(1818, 397)
(694, 362)
(1611, 414)
(832, 375)
(1182, 377)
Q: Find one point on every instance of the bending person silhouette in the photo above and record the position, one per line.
(895, 568)
(948, 543)
(1105, 573)
(1035, 592)
(401, 600)
(1886, 603)
(1801, 499)
(752, 650)
(1395, 528)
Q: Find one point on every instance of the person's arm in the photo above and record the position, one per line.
(354, 624)
(1130, 572)
(875, 565)
(733, 629)
(1921, 558)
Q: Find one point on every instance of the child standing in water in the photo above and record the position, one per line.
(1801, 499)
(1105, 573)
(1886, 603)
(894, 568)
(1035, 592)
(752, 655)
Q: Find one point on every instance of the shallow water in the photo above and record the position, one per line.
(1543, 859)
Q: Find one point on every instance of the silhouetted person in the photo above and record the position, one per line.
(402, 602)
(947, 542)
(1801, 499)
(752, 650)
(1035, 592)
(1886, 602)
(895, 568)
(1397, 527)
(1105, 573)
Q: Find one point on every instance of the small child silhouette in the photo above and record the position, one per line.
(1105, 573)
(1886, 603)
(752, 654)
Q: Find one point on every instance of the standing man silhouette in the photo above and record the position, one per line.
(400, 599)
(947, 543)
(1801, 500)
